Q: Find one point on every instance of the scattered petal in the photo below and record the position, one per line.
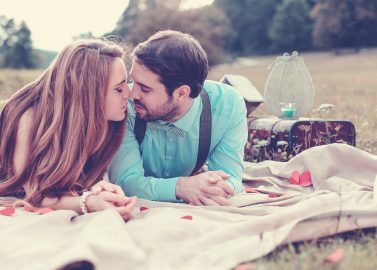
(251, 190)
(8, 211)
(336, 256)
(43, 210)
(305, 179)
(295, 178)
(245, 266)
(273, 195)
(187, 217)
(143, 208)
(32, 209)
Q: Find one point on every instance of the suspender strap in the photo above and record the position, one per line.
(204, 132)
(139, 129)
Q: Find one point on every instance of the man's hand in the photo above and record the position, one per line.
(209, 188)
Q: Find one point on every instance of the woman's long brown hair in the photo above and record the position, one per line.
(72, 142)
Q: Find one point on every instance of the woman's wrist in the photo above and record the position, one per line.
(84, 198)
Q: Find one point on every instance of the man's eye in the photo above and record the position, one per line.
(144, 90)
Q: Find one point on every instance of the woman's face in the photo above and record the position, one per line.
(117, 92)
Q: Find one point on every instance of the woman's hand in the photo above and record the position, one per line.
(111, 196)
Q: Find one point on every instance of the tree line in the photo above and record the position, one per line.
(253, 27)
(228, 28)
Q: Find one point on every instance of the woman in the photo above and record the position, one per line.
(59, 133)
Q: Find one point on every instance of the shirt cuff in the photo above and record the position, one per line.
(165, 190)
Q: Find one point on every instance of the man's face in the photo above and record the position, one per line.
(151, 101)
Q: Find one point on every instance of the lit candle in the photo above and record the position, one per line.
(288, 110)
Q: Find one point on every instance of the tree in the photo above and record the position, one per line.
(16, 44)
(291, 26)
(250, 23)
(345, 23)
(143, 18)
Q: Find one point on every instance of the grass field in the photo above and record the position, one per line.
(347, 81)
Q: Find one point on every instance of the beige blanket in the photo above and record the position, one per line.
(342, 198)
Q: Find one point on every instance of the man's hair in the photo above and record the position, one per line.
(178, 59)
(71, 140)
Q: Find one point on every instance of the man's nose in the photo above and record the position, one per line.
(135, 92)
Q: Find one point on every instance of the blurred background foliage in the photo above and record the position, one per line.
(226, 28)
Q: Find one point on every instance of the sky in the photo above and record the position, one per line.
(53, 23)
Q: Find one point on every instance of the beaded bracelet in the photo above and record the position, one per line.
(84, 197)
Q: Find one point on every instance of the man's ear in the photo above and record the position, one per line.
(183, 92)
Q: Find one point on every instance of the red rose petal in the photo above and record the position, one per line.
(250, 190)
(187, 217)
(28, 208)
(295, 178)
(273, 195)
(143, 208)
(8, 211)
(305, 179)
(43, 210)
(336, 256)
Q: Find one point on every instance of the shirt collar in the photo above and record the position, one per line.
(187, 120)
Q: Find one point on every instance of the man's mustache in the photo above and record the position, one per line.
(138, 103)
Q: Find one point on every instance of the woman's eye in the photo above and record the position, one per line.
(119, 90)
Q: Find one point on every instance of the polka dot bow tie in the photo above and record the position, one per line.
(169, 128)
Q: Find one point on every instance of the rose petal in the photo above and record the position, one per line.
(28, 208)
(43, 210)
(305, 179)
(251, 190)
(245, 266)
(336, 256)
(143, 208)
(273, 195)
(187, 217)
(295, 178)
(8, 211)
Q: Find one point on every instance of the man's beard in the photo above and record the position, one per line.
(165, 112)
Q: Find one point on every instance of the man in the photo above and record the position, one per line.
(168, 73)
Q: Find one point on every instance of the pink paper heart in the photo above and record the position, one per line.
(187, 217)
(143, 208)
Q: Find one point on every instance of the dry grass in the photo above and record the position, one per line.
(12, 80)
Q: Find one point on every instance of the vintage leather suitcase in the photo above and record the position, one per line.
(272, 138)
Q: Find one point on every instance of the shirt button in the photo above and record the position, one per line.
(167, 174)
(169, 157)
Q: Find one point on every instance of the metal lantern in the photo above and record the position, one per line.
(289, 90)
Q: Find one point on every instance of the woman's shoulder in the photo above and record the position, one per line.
(26, 120)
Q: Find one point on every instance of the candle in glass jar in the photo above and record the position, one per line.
(288, 110)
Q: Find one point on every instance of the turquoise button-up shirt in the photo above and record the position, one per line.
(152, 170)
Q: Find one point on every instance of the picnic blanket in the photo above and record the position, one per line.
(180, 236)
